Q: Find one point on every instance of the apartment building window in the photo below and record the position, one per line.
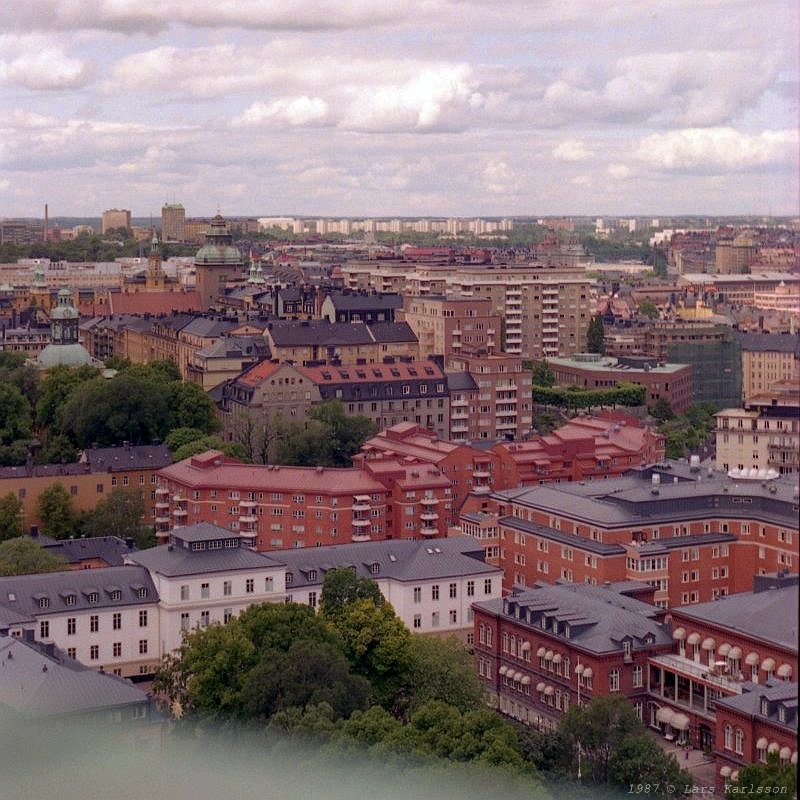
(249, 586)
(453, 590)
(435, 592)
(205, 619)
(728, 737)
(94, 652)
(44, 629)
(417, 620)
(487, 586)
(142, 647)
(205, 591)
(417, 594)
(435, 619)
(116, 621)
(470, 588)
(94, 623)
(637, 677)
(185, 592)
(143, 619)
(269, 584)
(227, 588)
(72, 653)
(71, 622)
(453, 616)
(227, 615)
(312, 599)
(185, 621)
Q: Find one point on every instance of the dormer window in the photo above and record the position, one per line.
(93, 597)
(289, 578)
(781, 713)
(626, 648)
(566, 630)
(765, 706)
(141, 593)
(312, 575)
(116, 595)
(375, 569)
(44, 602)
(69, 600)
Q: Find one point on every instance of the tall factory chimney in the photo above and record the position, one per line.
(45, 223)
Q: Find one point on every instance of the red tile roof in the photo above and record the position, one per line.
(212, 470)
(154, 302)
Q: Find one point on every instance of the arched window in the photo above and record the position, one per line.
(728, 737)
(739, 741)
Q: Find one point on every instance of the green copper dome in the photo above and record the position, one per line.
(68, 355)
(64, 308)
(218, 248)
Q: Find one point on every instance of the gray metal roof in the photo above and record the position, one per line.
(22, 594)
(358, 301)
(682, 494)
(776, 692)
(461, 382)
(770, 616)
(37, 685)
(400, 559)
(172, 560)
(569, 539)
(599, 618)
(203, 326)
(770, 342)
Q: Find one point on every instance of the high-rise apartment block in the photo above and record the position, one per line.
(173, 222)
(115, 218)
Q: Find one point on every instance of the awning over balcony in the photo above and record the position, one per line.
(540, 686)
(557, 660)
(665, 714)
(679, 633)
(708, 644)
(724, 649)
(526, 646)
(548, 656)
(503, 669)
(725, 772)
(761, 743)
(735, 653)
(518, 677)
(693, 638)
(785, 671)
(774, 747)
(768, 664)
(540, 652)
(751, 659)
(526, 680)
(587, 673)
(786, 753)
(793, 759)
(549, 690)
(735, 775)
(680, 722)
(579, 669)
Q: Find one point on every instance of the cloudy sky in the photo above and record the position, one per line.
(408, 107)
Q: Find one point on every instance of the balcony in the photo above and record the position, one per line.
(459, 427)
(360, 523)
(459, 403)
(481, 489)
(161, 505)
(429, 516)
(248, 519)
(161, 491)
(180, 512)
(429, 501)
(699, 671)
(428, 531)
(481, 473)
(360, 506)
(360, 536)
(162, 520)
(248, 503)
(178, 499)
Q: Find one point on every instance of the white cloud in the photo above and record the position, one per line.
(499, 178)
(33, 62)
(572, 150)
(619, 172)
(290, 111)
(718, 149)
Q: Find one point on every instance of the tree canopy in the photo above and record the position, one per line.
(22, 556)
(56, 511)
(11, 521)
(120, 514)
(770, 778)
(595, 335)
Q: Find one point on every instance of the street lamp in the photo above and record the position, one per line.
(579, 669)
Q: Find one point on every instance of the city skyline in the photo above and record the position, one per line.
(387, 109)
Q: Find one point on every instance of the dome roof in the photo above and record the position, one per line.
(218, 254)
(68, 355)
(64, 309)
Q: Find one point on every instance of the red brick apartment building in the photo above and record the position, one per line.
(277, 507)
(692, 534)
(544, 649)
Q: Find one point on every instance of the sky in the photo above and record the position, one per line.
(400, 107)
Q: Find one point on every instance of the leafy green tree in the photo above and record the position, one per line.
(442, 670)
(770, 778)
(120, 514)
(309, 721)
(232, 449)
(378, 646)
(56, 511)
(661, 410)
(639, 759)
(308, 673)
(14, 454)
(118, 363)
(15, 415)
(543, 375)
(11, 519)
(545, 423)
(25, 557)
(595, 335)
(342, 586)
(58, 450)
(647, 308)
(180, 436)
(191, 407)
(10, 360)
(55, 389)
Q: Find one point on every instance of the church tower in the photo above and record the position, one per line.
(216, 262)
(154, 278)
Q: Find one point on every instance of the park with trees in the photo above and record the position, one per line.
(352, 679)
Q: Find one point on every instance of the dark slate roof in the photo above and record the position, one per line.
(461, 382)
(599, 617)
(173, 560)
(399, 559)
(770, 342)
(36, 684)
(776, 692)
(770, 616)
(110, 549)
(255, 346)
(391, 332)
(358, 301)
(302, 333)
(657, 546)
(202, 326)
(127, 457)
(22, 593)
